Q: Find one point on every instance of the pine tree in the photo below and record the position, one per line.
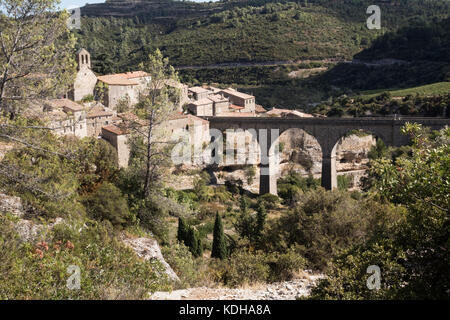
(182, 230)
(219, 247)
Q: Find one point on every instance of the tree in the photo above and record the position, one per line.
(36, 52)
(413, 253)
(219, 246)
(156, 104)
(245, 224)
(182, 230)
(261, 215)
(108, 203)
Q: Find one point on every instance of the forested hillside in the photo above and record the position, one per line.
(119, 34)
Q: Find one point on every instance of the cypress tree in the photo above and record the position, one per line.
(199, 251)
(219, 247)
(192, 241)
(182, 231)
(261, 215)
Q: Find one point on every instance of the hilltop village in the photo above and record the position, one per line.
(84, 111)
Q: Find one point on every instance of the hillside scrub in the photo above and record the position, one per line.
(413, 258)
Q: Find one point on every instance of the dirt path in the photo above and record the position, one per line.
(288, 290)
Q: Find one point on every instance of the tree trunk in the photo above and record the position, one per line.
(149, 156)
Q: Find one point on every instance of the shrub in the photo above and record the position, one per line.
(270, 201)
(109, 269)
(284, 265)
(324, 223)
(245, 267)
(180, 258)
(108, 203)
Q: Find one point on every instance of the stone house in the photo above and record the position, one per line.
(85, 79)
(212, 101)
(243, 102)
(117, 134)
(64, 116)
(123, 86)
(118, 138)
(97, 116)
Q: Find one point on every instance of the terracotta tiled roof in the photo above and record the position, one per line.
(192, 118)
(236, 93)
(201, 102)
(260, 109)
(236, 114)
(99, 111)
(235, 107)
(217, 98)
(133, 74)
(130, 117)
(117, 80)
(198, 89)
(67, 104)
(114, 129)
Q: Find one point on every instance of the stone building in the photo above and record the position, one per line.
(242, 101)
(64, 116)
(118, 138)
(123, 86)
(97, 116)
(212, 101)
(170, 130)
(85, 79)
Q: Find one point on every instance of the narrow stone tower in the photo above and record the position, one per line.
(85, 79)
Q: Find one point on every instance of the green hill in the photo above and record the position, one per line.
(119, 34)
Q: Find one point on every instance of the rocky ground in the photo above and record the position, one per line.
(287, 290)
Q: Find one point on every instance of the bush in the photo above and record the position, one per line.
(108, 203)
(270, 201)
(152, 215)
(244, 267)
(284, 265)
(109, 269)
(324, 223)
(180, 258)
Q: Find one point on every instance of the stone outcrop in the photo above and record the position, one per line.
(11, 204)
(148, 249)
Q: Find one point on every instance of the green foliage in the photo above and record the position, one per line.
(324, 223)
(108, 203)
(190, 237)
(249, 267)
(152, 214)
(413, 257)
(293, 184)
(244, 267)
(344, 181)
(270, 201)
(385, 105)
(182, 230)
(219, 246)
(109, 270)
(180, 258)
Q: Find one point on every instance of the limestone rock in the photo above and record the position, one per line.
(11, 204)
(148, 249)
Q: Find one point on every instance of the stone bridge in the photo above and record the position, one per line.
(327, 131)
